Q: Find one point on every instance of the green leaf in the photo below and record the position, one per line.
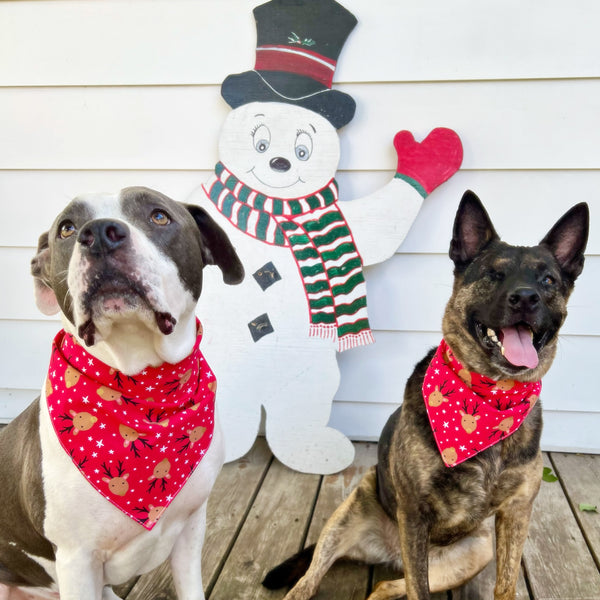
(548, 475)
(588, 507)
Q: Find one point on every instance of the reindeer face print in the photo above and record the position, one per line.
(504, 385)
(71, 377)
(155, 512)
(505, 424)
(468, 422)
(74, 422)
(117, 482)
(196, 434)
(161, 470)
(450, 456)
(436, 398)
(466, 377)
(108, 394)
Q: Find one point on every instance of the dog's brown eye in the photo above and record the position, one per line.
(495, 275)
(548, 280)
(160, 217)
(66, 229)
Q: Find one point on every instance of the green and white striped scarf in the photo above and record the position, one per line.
(322, 244)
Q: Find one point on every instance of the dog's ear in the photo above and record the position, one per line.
(473, 230)
(568, 238)
(45, 297)
(216, 247)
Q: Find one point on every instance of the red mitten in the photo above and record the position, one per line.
(428, 164)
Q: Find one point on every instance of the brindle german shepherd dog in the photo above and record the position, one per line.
(410, 510)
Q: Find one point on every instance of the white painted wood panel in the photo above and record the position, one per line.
(406, 293)
(546, 194)
(374, 374)
(141, 42)
(519, 81)
(503, 125)
(563, 431)
(378, 373)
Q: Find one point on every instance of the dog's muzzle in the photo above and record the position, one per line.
(110, 279)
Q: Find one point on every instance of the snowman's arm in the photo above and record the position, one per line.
(380, 221)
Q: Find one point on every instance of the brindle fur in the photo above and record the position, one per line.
(435, 522)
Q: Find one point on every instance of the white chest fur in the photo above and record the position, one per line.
(87, 529)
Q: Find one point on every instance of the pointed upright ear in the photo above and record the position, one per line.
(473, 231)
(216, 247)
(45, 298)
(568, 238)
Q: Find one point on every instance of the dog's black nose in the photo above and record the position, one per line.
(103, 236)
(524, 299)
(280, 164)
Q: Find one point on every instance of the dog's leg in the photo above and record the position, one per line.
(512, 526)
(356, 530)
(449, 566)
(186, 558)
(79, 574)
(414, 543)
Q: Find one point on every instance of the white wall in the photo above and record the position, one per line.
(100, 94)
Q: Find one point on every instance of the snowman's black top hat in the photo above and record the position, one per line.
(298, 45)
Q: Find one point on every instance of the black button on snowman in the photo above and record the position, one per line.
(272, 340)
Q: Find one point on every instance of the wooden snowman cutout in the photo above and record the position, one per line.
(273, 339)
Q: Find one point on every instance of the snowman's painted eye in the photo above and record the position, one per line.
(303, 147)
(261, 138)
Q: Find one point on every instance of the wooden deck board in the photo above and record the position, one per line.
(558, 563)
(580, 475)
(261, 512)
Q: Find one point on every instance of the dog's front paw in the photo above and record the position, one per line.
(387, 590)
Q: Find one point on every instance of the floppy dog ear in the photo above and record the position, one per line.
(45, 298)
(216, 247)
(568, 238)
(473, 230)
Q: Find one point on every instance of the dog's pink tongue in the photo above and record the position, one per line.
(518, 347)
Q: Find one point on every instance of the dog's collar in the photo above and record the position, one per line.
(136, 439)
(469, 412)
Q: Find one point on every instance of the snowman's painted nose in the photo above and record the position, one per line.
(280, 164)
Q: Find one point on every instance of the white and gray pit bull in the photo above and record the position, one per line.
(125, 272)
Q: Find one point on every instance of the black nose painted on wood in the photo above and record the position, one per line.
(103, 236)
(280, 164)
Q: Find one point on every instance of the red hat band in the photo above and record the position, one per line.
(295, 60)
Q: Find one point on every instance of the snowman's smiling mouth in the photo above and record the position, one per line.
(289, 185)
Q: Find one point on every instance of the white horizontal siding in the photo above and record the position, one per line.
(101, 94)
(145, 42)
(406, 293)
(504, 124)
(546, 194)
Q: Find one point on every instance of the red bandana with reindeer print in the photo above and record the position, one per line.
(469, 412)
(136, 439)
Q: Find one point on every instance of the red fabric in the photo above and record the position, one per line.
(136, 439)
(295, 60)
(432, 161)
(469, 412)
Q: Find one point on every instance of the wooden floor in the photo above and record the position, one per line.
(261, 512)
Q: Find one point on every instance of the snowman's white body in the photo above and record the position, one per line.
(293, 376)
